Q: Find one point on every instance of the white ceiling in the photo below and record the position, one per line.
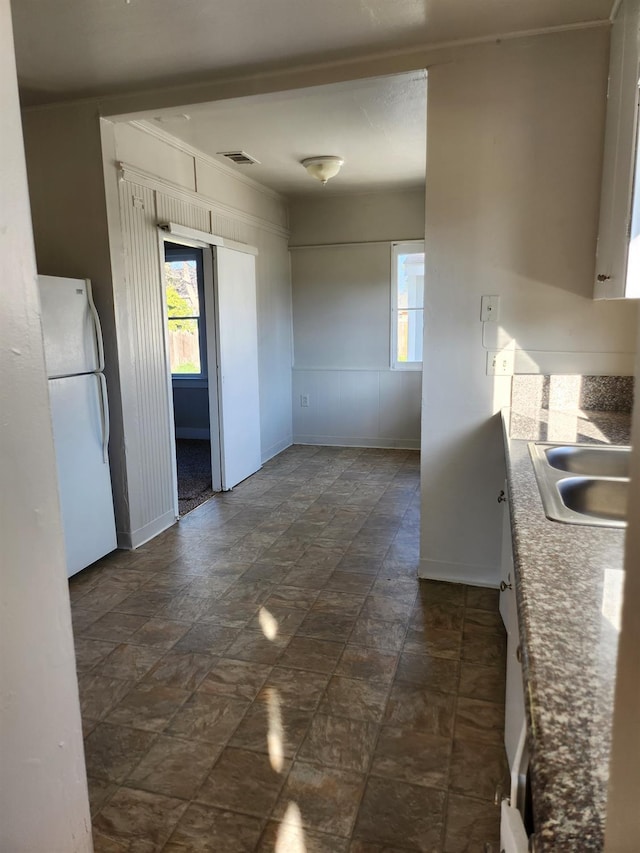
(78, 48)
(378, 126)
(73, 48)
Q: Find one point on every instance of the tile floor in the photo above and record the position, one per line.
(269, 675)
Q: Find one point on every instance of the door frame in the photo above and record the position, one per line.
(165, 236)
(170, 232)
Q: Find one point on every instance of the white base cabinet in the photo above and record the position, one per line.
(513, 837)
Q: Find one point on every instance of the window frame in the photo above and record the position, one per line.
(406, 247)
(180, 252)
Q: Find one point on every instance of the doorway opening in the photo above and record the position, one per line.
(184, 278)
(209, 292)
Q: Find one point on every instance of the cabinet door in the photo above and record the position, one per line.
(513, 838)
(506, 562)
(514, 713)
(618, 167)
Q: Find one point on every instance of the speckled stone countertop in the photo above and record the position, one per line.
(569, 584)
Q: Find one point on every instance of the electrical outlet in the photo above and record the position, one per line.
(489, 309)
(500, 362)
(304, 401)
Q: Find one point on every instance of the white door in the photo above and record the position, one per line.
(68, 326)
(237, 346)
(84, 480)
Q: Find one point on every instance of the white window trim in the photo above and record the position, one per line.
(406, 247)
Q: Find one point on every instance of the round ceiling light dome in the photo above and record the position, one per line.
(323, 168)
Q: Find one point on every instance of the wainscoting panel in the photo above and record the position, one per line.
(357, 408)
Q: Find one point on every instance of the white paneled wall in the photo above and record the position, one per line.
(147, 430)
(360, 408)
(170, 209)
(156, 184)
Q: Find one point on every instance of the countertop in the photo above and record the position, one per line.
(569, 586)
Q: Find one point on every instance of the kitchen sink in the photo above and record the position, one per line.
(597, 498)
(604, 461)
(583, 484)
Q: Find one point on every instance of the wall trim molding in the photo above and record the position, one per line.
(196, 153)
(277, 448)
(355, 243)
(135, 538)
(387, 369)
(137, 175)
(358, 441)
(466, 573)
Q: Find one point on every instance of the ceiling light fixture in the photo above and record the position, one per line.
(323, 168)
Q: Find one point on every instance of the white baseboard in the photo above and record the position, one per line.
(193, 432)
(472, 575)
(358, 441)
(276, 448)
(136, 538)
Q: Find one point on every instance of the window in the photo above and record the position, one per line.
(407, 305)
(184, 283)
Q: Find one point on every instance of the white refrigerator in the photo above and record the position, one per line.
(74, 356)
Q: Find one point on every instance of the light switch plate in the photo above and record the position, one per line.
(500, 362)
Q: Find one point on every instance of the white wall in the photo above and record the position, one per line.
(513, 175)
(166, 181)
(341, 283)
(43, 795)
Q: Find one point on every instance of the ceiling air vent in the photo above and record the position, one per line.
(239, 157)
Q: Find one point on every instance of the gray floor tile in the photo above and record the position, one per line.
(243, 781)
(321, 798)
(338, 742)
(398, 814)
(140, 820)
(284, 622)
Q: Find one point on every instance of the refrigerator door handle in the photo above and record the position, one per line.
(98, 327)
(105, 417)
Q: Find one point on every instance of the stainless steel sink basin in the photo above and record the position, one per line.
(600, 461)
(583, 484)
(597, 498)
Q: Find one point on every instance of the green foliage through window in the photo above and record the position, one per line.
(182, 295)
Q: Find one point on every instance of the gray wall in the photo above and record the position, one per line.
(43, 796)
(341, 282)
(89, 223)
(513, 182)
(191, 411)
(66, 187)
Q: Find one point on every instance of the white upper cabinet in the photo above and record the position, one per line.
(618, 255)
